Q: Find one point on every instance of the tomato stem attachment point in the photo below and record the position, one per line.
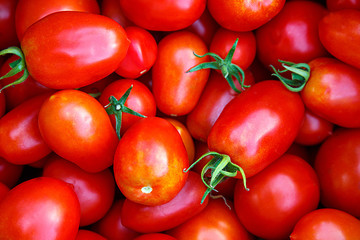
(146, 189)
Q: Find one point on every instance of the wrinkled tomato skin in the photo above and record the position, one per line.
(175, 57)
(59, 44)
(155, 236)
(8, 36)
(326, 224)
(337, 163)
(20, 138)
(88, 235)
(262, 131)
(76, 127)
(333, 92)
(335, 30)
(278, 197)
(40, 208)
(149, 162)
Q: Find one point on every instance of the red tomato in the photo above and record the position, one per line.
(111, 227)
(292, 35)
(112, 9)
(9, 173)
(177, 92)
(95, 191)
(333, 92)
(335, 31)
(262, 131)
(76, 127)
(163, 15)
(141, 53)
(216, 221)
(182, 207)
(29, 12)
(40, 208)
(149, 162)
(278, 197)
(244, 15)
(7, 24)
(88, 235)
(334, 5)
(89, 46)
(20, 138)
(337, 164)
(155, 236)
(327, 224)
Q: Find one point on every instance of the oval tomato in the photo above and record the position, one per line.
(72, 49)
(76, 127)
(149, 162)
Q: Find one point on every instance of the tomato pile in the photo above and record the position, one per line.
(187, 119)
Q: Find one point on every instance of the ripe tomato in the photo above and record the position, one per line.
(279, 196)
(149, 162)
(244, 15)
(7, 24)
(155, 236)
(335, 31)
(40, 208)
(176, 92)
(163, 15)
(89, 46)
(337, 165)
(76, 127)
(88, 235)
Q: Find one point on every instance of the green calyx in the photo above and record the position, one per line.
(227, 68)
(117, 107)
(220, 167)
(16, 66)
(300, 74)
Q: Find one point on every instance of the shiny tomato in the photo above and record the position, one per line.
(10, 173)
(56, 49)
(244, 15)
(163, 15)
(337, 164)
(7, 24)
(88, 235)
(155, 236)
(76, 127)
(40, 208)
(176, 92)
(278, 197)
(149, 162)
(326, 224)
(335, 31)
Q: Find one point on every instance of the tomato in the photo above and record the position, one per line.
(9, 173)
(149, 162)
(95, 191)
(335, 30)
(262, 131)
(20, 138)
(88, 235)
(76, 127)
(244, 15)
(182, 207)
(111, 227)
(40, 208)
(155, 236)
(171, 16)
(334, 5)
(292, 35)
(177, 92)
(112, 9)
(29, 12)
(337, 163)
(326, 224)
(216, 221)
(278, 197)
(333, 92)
(59, 44)
(7, 24)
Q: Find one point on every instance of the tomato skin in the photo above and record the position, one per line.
(9, 173)
(175, 57)
(185, 205)
(292, 35)
(40, 208)
(95, 191)
(59, 44)
(278, 197)
(262, 131)
(20, 138)
(112, 9)
(4, 189)
(244, 15)
(333, 92)
(334, 5)
(88, 235)
(171, 16)
(326, 224)
(90, 140)
(149, 162)
(7, 24)
(155, 236)
(335, 30)
(337, 163)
